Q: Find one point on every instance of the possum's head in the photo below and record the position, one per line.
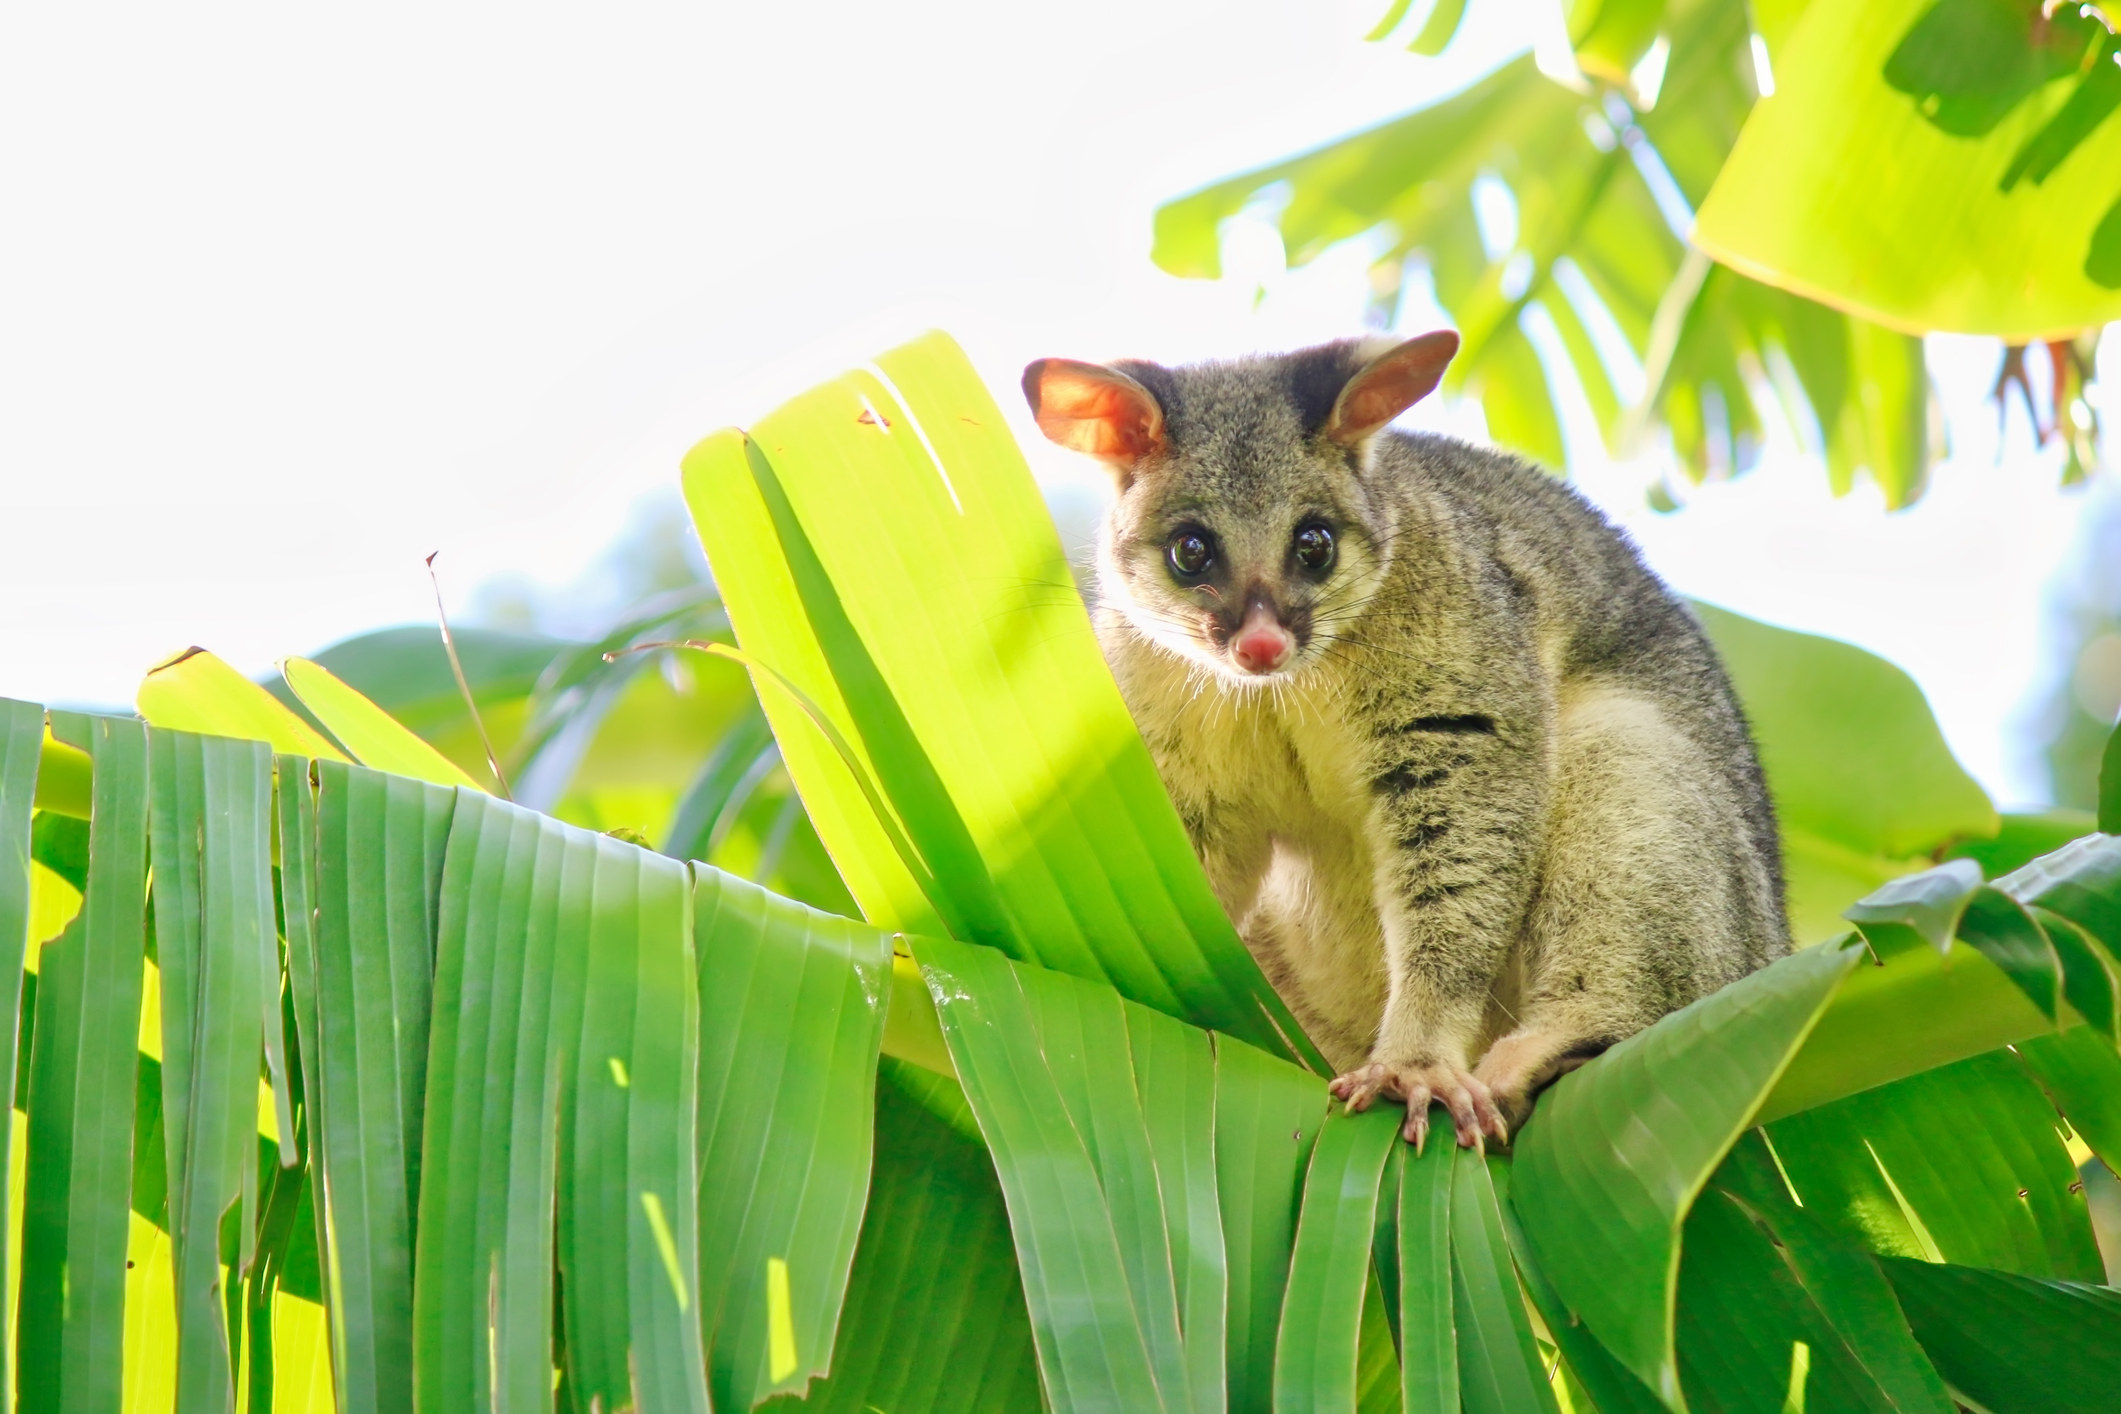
(1247, 530)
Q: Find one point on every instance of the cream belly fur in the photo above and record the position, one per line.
(1275, 778)
(1271, 782)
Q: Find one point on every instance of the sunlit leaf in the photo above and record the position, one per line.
(21, 743)
(1844, 189)
(961, 668)
(197, 692)
(374, 738)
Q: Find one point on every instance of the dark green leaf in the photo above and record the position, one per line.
(2080, 882)
(935, 1316)
(60, 844)
(2022, 838)
(76, 1207)
(1891, 1169)
(2082, 1075)
(1612, 1389)
(211, 813)
(628, 1162)
(1315, 1359)
(21, 744)
(1499, 1370)
(1428, 1321)
(2014, 1344)
(1612, 1159)
(792, 1006)
(379, 854)
(1852, 1298)
(1267, 1117)
(1743, 1315)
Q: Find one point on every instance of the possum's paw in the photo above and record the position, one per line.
(1474, 1113)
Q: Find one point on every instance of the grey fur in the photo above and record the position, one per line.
(1501, 807)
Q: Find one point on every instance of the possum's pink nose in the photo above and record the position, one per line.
(1262, 645)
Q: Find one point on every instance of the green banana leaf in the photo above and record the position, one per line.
(377, 859)
(1864, 787)
(1865, 183)
(210, 804)
(1499, 1368)
(1316, 1361)
(83, 1071)
(920, 1330)
(21, 742)
(792, 1008)
(1267, 1118)
(959, 668)
(1610, 1164)
(1604, 185)
(509, 971)
(2013, 1344)
(1888, 1169)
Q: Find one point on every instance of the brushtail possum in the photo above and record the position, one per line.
(1469, 778)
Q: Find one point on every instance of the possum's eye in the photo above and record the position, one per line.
(1189, 554)
(1314, 548)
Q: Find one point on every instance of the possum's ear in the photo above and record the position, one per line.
(1388, 385)
(1101, 411)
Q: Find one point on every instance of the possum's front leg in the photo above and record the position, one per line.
(1454, 825)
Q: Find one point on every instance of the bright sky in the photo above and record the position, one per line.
(289, 299)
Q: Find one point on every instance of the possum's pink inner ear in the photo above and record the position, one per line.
(1097, 410)
(1390, 384)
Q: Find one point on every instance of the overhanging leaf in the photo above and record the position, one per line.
(1843, 189)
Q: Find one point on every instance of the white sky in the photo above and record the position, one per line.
(288, 300)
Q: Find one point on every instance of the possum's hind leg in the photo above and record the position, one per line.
(1636, 912)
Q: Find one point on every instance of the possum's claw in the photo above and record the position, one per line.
(1474, 1113)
